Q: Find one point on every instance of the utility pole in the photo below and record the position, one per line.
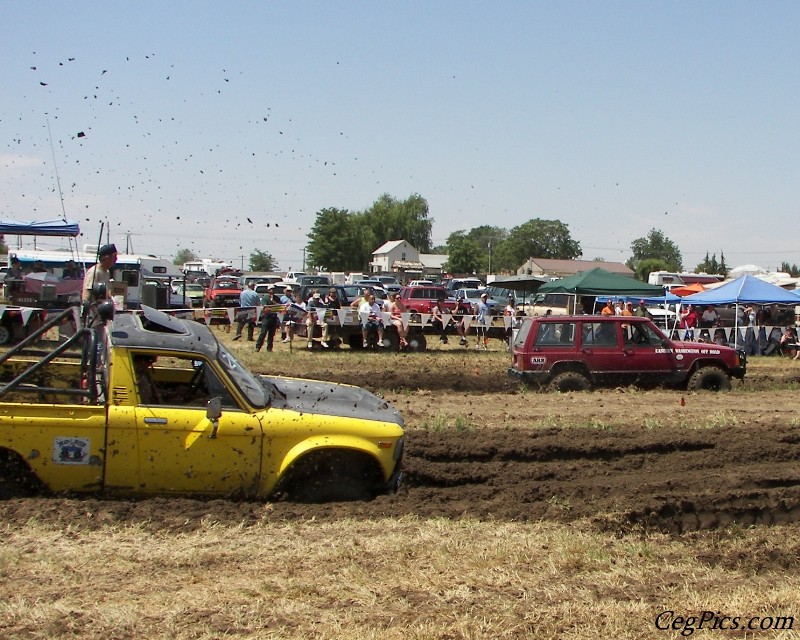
(490, 257)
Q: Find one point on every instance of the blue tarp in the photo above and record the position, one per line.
(743, 290)
(57, 227)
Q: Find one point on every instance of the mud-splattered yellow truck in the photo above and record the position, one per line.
(149, 404)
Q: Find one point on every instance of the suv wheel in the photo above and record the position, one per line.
(569, 381)
(709, 379)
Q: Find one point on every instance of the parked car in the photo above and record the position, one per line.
(421, 283)
(223, 291)
(472, 297)
(313, 281)
(194, 294)
(421, 299)
(576, 353)
(291, 276)
(389, 283)
(463, 283)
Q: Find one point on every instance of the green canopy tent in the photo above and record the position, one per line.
(599, 282)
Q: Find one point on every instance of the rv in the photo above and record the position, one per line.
(670, 280)
(137, 278)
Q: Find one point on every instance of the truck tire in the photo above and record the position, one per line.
(417, 342)
(709, 379)
(391, 340)
(331, 475)
(569, 381)
(5, 334)
(16, 479)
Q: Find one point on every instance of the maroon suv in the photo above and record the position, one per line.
(574, 353)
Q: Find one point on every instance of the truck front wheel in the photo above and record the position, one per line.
(569, 381)
(709, 379)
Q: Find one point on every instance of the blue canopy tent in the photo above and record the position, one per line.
(746, 289)
(57, 227)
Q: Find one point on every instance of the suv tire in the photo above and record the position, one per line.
(569, 381)
(709, 379)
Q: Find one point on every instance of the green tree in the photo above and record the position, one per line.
(710, 265)
(183, 256)
(261, 261)
(488, 239)
(793, 270)
(655, 246)
(535, 239)
(391, 219)
(463, 254)
(340, 241)
(647, 266)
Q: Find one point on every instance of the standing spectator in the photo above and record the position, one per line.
(482, 317)
(100, 273)
(620, 308)
(750, 314)
(249, 302)
(371, 319)
(510, 311)
(688, 322)
(286, 299)
(269, 319)
(641, 311)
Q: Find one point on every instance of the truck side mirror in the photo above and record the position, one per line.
(213, 413)
(214, 408)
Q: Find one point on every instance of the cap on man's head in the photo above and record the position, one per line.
(484, 295)
(288, 289)
(270, 287)
(641, 301)
(107, 250)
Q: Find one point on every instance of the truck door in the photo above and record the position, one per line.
(179, 448)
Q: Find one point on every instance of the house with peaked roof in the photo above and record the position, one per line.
(395, 256)
(564, 268)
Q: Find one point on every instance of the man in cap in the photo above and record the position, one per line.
(269, 319)
(100, 273)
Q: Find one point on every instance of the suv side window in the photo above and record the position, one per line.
(600, 334)
(555, 334)
(642, 335)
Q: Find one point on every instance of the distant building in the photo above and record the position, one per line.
(563, 268)
(397, 257)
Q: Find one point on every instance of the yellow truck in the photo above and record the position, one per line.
(149, 404)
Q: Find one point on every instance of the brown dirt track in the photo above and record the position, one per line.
(478, 446)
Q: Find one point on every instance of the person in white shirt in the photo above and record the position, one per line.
(374, 321)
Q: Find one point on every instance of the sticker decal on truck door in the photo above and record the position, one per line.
(71, 450)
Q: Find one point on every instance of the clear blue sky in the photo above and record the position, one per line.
(613, 117)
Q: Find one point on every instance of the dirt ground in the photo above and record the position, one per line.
(481, 446)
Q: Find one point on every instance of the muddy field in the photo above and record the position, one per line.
(481, 446)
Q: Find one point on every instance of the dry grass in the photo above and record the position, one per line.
(392, 578)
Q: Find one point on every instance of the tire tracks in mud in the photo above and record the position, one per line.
(668, 479)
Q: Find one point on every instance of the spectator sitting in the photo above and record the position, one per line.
(788, 343)
(719, 337)
(371, 319)
(608, 310)
(709, 317)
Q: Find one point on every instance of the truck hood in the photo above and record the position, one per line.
(326, 398)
